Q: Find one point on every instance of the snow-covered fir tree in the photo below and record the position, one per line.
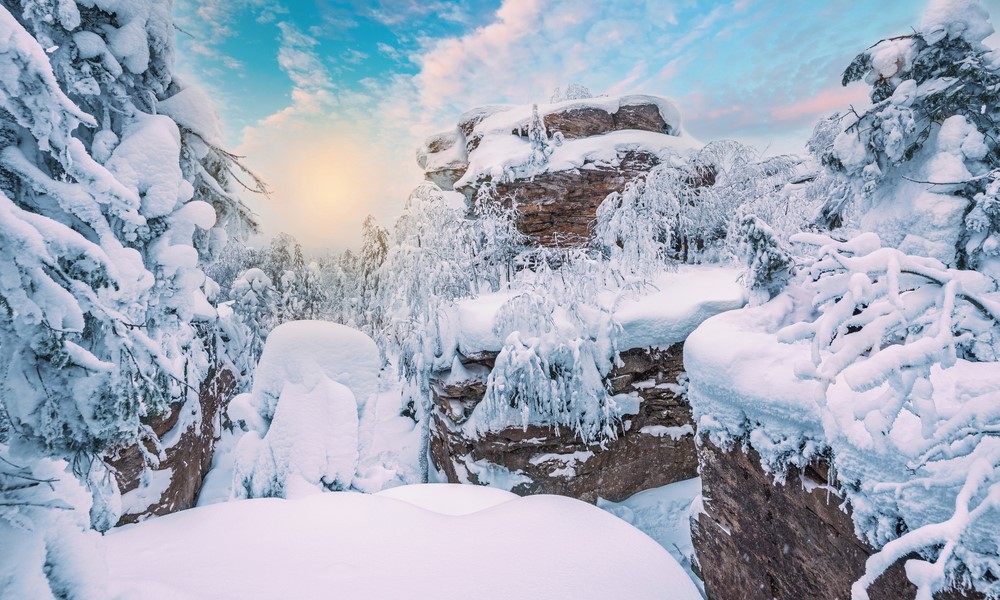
(314, 296)
(929, 140)
(374, 249)
(768, 263)
(108, 223)
(538, 137)
(255, 302)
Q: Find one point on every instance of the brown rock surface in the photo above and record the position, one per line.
(579, 122)
(188, 459)
(644, 117)
(557, 209)
(760, 540)
(634, 462)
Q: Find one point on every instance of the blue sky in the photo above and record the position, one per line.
(328, 100)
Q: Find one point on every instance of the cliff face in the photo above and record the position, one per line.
(654, 447)
(188, 433)
(761, 540)
(594, 147)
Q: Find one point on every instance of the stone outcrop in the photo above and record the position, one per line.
(654, 447)
(587, 121)
(191, 438)
(760, 540)
(558, 208)
(558, 203)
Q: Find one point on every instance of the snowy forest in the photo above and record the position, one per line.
(593, 356)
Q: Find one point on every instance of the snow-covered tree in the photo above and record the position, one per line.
(429, 265)
(882, 325)
(927, 144)
(232, 260)
(574, 91)
(690, 210)
(496, 238)
(635, 228)
(289, 304)
(374, 249)
(255, 302)
(768, 263)
(283, 254)
(340, 284)
(726, 180)
(106, 229)
(313, 295)
(551, 376)
(538, 137)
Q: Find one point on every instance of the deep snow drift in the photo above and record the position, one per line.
(434, 541)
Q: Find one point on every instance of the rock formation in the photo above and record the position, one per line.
(654, 447)
(760, 540)
(188, 433)
(597, 145)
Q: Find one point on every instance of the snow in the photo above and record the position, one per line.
(965, 19)
(311, 387)
(311, 444)
(191, 108)
(499, 154)
(740, 376)
(568, 462)
(449, 499)
(664, 514)
(148, 159)
(152, 484)
(674, 433)
(678, 303)
(662, 314)
(505, 119)
(419, 543)
(487, 473)
(302, 352)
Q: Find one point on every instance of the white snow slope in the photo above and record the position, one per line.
(413, 542)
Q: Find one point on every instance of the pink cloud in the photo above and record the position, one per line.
(822, 103)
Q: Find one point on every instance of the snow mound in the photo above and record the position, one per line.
(311, 444)
(310, 389)
(302, 352)
(449, 498)
(360, 546)
(191, 108)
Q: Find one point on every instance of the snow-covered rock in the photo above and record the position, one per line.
(304, 352)
(312, 384)
(592, 147)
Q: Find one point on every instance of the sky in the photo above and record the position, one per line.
(329, 101)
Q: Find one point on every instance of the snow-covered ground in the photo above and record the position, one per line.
(664, 514)
(429, 541)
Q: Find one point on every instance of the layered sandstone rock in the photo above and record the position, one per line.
(188, 433)
(761, 540)
(655, 446)
(597, 146)
(558, 208)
